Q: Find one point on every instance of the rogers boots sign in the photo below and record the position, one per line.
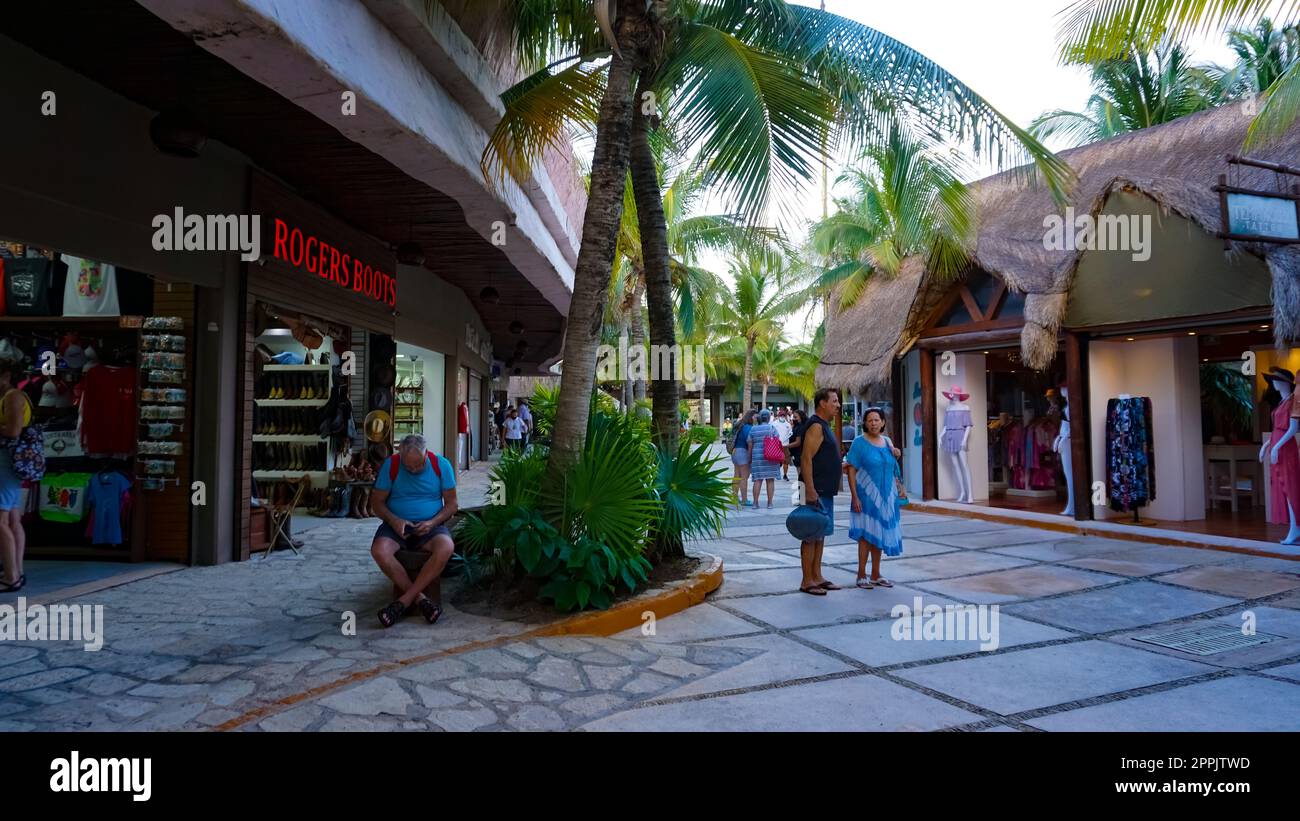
(307, 252)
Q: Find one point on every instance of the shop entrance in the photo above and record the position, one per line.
(1024, 414)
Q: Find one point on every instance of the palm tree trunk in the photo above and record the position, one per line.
(658, 280)
(596, 254)
(703, 382)
(637, 340)
(763, 404)
(749, 370)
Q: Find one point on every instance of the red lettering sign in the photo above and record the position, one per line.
(314, 255)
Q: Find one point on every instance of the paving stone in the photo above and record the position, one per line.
(599, 657)
(851, 604)
(560, 674)
(43, 678)
(1291, 671)
(1020, 680)
(873, 643)
(294, 720)
(437, 699)
(436, 670)
(564, 645)
(490, 689)
(630, 650)
(760, 661)
(591, 706)
(212, 718)
(332, 667)
(22, 668)
(536, 717)
(459, 721)
(206, 673)
(170, 716)
(1122, 567)
(302, 654)
(1236, 582)
(104, 684)
(648, 683)
(1019, 583)
(858, 703)
(372, 698)
(51, 695)
(167, 690)
(1129, 605)
(230, 691)
(524, 650)
(12, 654)
(1241, 704)
(163, 669)
(16, 727)
(494, 661)
(703, 621)
(357, 724)
(945, 565)
(678, 668)
(608, 678)
(776, 580)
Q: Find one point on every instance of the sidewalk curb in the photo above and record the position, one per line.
(662, 603)
(1085, 529)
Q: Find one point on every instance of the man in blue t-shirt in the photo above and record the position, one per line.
(415, 506)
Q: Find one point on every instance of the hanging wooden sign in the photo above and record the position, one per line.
(1259, 216)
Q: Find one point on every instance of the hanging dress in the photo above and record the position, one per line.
(880, 522)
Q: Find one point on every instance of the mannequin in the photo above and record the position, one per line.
(1281, 448)
(1062, 447)
(955, 440)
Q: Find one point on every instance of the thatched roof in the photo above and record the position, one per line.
(862, 341)
(1175, 164)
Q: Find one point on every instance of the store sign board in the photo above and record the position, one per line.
(482, 345)
(301, 238)
(1263, 216)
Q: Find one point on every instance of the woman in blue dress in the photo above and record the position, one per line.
(874, 519)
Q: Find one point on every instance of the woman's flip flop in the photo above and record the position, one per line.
(813, 591)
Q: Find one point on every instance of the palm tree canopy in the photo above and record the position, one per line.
(762, 88)
(906, 200)
(1098, 30)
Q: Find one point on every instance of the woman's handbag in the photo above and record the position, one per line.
(772, 450)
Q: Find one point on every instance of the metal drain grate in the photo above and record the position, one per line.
(1207, 639)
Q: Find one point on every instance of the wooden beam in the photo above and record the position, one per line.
(1076, 380)
(999, 297)
(1008, 335)
(929, 453)
(972, 307)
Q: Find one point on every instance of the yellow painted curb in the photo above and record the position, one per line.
(1082, 529)
(662, 603)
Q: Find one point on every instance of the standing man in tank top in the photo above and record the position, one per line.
(820, 468)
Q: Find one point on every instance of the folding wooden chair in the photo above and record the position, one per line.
(281, 515)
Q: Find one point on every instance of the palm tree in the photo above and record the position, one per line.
(789, 366)
(1264, 55)
(757, 86)
(1134, 91)
(908, 200)
(761, 300)
(1097, 30)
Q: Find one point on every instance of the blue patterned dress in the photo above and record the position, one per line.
(879, 522)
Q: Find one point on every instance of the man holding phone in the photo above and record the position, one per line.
(415, 496)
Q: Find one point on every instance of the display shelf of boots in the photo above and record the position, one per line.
(289, 437)
(293, 403)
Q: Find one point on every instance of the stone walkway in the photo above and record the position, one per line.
(199, 647)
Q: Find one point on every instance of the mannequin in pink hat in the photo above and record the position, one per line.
(955, 440)
(1280, 449)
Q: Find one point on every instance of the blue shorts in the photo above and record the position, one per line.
(828, 507)
(11, 487)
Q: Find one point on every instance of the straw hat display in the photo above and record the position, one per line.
(379, 426)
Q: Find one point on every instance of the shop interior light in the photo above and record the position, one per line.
(1263, 327)
(277, 332)
(1191, 333)
(1130, 339)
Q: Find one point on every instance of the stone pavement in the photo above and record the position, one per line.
(199, 647)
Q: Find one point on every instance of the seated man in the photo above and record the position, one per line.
(415, 496)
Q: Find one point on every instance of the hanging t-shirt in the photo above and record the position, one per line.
(108, 423)
(105, 491)
(91, 289)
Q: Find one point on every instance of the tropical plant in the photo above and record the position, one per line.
(1098, 30)
(695, 497)
(1227, 396)
(792, 367)
(762, 88)
(762, 299)
(703, 435)
(1136, 90)
(907, 199)
(1264, 55)
(542, 405)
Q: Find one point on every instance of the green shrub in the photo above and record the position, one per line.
(703, 435)
(695, 497)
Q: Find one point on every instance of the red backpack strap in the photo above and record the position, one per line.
(433, 461)
(392, 468)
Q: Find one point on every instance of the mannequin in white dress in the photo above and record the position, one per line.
(1062, 446)
(956, 440)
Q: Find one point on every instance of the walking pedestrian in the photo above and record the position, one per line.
(875, 520)
(740, 456)
(798, 422)
(513, 431)
(15, 414)
(526, 416)
(820, 468)
(763, 469)
(784, 430)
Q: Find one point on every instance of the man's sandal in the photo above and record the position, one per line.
(814, 590)
(829, 586)
(431, 609)
(6, 587)
(392, 613)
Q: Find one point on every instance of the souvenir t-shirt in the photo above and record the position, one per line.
(91, 288)
(105, 491)
(415, 497)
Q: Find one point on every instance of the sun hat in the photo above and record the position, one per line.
(956, 392)
(1276, 374)
(806, 522)
(379, 426)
